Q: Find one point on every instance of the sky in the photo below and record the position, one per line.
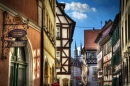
(89, 14)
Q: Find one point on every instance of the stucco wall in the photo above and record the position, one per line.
(91, 80)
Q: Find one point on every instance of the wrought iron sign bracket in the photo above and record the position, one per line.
(13, 28)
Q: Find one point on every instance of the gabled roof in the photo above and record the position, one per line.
(104, 31)
(115, 23)
(61, 6)
(89, 39)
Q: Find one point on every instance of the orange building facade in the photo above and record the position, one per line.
(20, 60)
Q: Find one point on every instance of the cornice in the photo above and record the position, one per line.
(13, 12)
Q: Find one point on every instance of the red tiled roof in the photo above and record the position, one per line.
(89, 39)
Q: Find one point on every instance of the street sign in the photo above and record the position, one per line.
(17, 33)
(21, 43)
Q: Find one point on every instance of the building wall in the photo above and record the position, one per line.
(27, 8)
(84, 74)
(125, 36)
(63, 77)
(4, 64)
(49, 43)
(65, 27)
(32, 50)
(34, 53)
(92, 81)
(35, 43)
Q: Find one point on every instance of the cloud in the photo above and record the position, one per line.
(94, 9)
(77, 6)
(79, 10)
(79, 15)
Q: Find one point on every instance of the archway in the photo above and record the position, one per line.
(21, 66)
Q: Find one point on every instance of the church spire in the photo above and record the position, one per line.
(75, 46)
(80, 47)
(75, 51)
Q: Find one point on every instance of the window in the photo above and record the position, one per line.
(58, 55)
(108, 47)
(91, 54)
(52, 4)
(46, 68)
(40, 13)
(126, 2)
(125, 31)
(122, 38)
(129, 26)
(58, 32)
(104, 50)
(122, 8)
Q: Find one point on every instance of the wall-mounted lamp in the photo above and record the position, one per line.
(127, 53)
(58, 63)
(128, 48)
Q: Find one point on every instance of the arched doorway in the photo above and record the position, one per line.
(65, 81)
(21, 63)
(18, 67)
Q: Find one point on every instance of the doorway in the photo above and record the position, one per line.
(18, 67)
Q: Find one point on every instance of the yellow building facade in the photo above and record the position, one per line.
(49, 41)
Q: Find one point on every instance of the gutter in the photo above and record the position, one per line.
(42, 52)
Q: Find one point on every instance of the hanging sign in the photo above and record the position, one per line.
(21, 43)
(116, 46)
(17, 33)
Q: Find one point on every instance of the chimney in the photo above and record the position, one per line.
(62, 5)
(105, 22)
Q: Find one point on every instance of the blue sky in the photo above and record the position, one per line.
(89, 14)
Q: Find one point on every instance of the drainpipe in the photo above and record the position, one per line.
(42, 51)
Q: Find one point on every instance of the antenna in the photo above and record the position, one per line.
(101, 24)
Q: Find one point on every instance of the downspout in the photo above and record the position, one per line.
(42, 52)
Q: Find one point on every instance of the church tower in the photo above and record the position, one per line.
(75, 51)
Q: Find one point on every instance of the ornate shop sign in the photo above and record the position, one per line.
(13, 28)
(99, 56)
(17, 33)
(21, 43)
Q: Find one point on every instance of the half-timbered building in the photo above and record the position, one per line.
(104, 55)
(91, 55)
(65, 29)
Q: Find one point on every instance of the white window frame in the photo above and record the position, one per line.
(58, 32)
